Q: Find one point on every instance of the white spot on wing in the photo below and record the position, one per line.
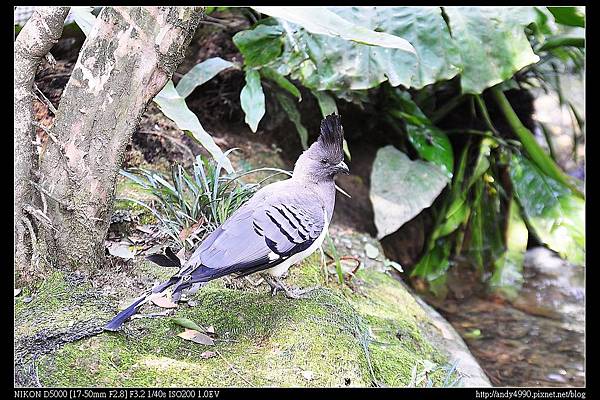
(273, 256)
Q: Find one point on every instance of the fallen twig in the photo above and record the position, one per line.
(44, 99)
(347, 258)
(233, 368)
(153, 315)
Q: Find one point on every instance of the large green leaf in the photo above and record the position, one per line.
(328, 63)
(482, 163)
(570, 16)
(84, 18)
(508, 269)
(486, 222)
(559, 41)
(320, 20)
(259, 45)
(487, 45)
(455, 215)
(280, 80)
(535, 151)
(293, 114)
(401, 188)
(430, 142)
(492, 43)
(455, 208)
(556, 215)
(451, 214)
(476, 227)
(252, 99)
(174, 108)
(201, 73)
(434, 263)
(326, 103)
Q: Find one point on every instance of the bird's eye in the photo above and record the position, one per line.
(323, 161)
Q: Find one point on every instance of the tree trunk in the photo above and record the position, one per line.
(126, 60)
(34, 41)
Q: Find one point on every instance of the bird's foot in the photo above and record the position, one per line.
(256, 283)
(275, 285)
(291, 293)
(297, 293)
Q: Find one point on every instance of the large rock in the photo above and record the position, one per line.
(375, 333)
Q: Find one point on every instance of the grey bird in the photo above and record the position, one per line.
(282, 224)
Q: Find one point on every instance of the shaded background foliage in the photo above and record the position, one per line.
(439, 80)
(501, 184)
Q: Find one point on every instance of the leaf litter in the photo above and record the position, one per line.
(195, 333)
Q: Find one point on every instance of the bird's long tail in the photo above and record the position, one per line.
(167, 261)
(118, 320)
(121, 317)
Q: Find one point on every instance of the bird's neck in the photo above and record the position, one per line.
(324, 189)
(302, 176)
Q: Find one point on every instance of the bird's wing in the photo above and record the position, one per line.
(259, 235)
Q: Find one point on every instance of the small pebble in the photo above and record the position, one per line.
(208, 354)
(556, 378)
(308, 375)
(27, 299)
(372, 251)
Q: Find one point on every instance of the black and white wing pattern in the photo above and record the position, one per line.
(258, 237)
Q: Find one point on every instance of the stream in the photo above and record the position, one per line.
(538, 339)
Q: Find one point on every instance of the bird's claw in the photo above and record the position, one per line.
(297, 293)
(274, 291)
(291, 293)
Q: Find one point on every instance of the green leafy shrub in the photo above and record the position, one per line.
(480, 215)
(191, 204)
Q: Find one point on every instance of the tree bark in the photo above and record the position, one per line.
(126, 60)
(34, 41)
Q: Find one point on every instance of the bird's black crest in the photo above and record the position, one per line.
(332, 136)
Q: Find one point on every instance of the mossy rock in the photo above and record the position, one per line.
(373, 334)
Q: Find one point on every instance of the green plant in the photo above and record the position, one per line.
(500, 186)
(421, 377)
(191, 204)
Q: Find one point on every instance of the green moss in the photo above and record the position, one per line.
(396, 322)
(342, 338)
(269, 340)
(336, 336)
(56, 305)
(310, 274)
(127, 189)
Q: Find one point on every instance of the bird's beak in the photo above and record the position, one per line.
(342, 167)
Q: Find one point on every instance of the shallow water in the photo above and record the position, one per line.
(536, 340)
